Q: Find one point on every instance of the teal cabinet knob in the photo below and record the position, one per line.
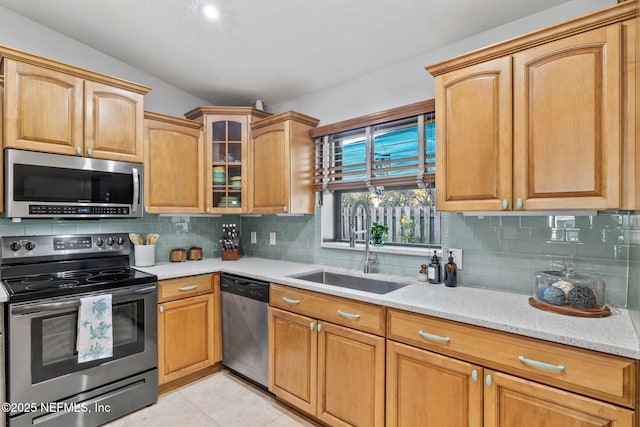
(505, 203)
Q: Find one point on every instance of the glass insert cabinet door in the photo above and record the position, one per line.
(228, 160)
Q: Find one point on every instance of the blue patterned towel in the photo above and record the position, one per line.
(95, 328)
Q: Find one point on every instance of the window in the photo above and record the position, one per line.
(389, 164)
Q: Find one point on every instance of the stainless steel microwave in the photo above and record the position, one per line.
(44, 185)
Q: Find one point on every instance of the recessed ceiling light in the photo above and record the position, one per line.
(211, 12)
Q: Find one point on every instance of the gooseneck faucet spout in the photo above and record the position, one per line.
(368, 260)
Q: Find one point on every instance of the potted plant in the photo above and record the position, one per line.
(378, 231)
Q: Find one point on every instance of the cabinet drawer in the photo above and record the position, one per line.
(607, 377)
(183, 287)
(342, 311)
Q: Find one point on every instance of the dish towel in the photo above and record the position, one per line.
(95, 328)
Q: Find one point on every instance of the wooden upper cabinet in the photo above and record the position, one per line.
(227, 161)
(567, 122)
(283, 163)
(43, 109)
(174, 165)
(58, 108)
(474, 137)
(543, 121)
(114, 121)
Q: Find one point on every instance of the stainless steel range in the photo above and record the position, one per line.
(48, 278)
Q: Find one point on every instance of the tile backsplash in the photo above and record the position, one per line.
(498, 252)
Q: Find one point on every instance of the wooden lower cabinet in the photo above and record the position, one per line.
(429, 389)
(188, 327)
(515, 402)
(333, 373)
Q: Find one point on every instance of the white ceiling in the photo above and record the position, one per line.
(274, 50)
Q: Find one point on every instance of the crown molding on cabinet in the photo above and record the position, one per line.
(28, 58)
(617, 13)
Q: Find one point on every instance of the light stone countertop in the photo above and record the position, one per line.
(503, 311)
(4, 296)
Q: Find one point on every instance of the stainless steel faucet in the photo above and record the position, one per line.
(369, 258)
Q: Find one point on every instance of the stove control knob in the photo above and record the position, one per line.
(30, 245)
(99, 242)
(120, 240)
(110, 241)
(15, 246)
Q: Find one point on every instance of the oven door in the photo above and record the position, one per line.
(43, 360)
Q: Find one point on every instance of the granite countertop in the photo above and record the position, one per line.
(503, 311)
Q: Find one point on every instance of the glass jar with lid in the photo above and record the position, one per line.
(569, 291)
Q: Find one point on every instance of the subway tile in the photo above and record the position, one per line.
(526, 246)
(559, 248)
(477, 221)
(534, 221)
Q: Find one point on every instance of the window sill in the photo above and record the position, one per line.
(413, 251)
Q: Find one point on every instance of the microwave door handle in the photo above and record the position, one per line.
(136, 190)
(72, 303)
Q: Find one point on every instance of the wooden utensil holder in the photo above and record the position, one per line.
(229, 254)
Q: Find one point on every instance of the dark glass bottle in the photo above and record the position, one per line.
(451, 272)
(433, 271)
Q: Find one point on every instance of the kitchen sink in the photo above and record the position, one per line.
(358, 283)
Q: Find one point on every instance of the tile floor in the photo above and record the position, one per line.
(219, 400)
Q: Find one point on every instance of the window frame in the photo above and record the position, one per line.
(328, 196)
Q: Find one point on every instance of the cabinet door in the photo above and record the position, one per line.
(567, 122)
(173, 161)
(510, 400)
(350, 377)
(271, 168)
(293, 346)
(431, 390)
(474, 144)
(44, 109)
(113, 123)
(185, 336)
(226, 163)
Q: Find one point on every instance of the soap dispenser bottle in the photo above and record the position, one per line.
(433, 271)
(451, 272)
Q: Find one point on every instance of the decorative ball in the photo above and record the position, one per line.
(540, 293)
(582, 297)
(554, 295)
(565, 286)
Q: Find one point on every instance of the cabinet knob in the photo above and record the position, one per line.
(489, 380)
(311, 326)
(319, 327)
(208, 209)
(146, 208)
(284, 209)
(161, 308)
(474, 375)
(505, 203)
(89, 152)
(519, 204)
(78, 150)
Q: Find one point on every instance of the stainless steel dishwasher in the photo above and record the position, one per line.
(245, 331)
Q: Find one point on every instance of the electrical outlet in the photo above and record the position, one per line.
(254, 240)
(272, 238)
(457, 257)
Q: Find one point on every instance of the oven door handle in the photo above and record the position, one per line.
(75, 302)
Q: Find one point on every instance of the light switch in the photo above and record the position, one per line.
(272, 238)
(254, 240)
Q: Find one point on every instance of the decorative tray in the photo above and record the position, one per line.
(597, 311)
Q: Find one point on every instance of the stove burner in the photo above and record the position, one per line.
(73, 274)
(36, 279)
(112, 277)
(52, 285)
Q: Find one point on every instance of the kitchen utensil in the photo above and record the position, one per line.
(178, 255)
(136, 239)
(194, 253)
(152, 238)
